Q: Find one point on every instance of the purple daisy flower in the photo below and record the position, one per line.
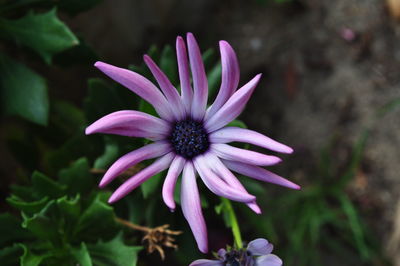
(257, 253)
(189, 137)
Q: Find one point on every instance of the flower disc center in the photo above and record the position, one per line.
(189, 138)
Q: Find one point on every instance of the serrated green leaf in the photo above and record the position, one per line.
(151, 184)
(31, 259)
(97, 220)
(23, 92)
(43, 33)
(114, 253)
(77, 178)
(11, 230)
(28, 207)
(9, 256)
(82, 255)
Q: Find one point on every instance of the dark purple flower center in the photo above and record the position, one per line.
(189, 138)
(237, 258)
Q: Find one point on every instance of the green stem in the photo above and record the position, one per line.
(234, 223)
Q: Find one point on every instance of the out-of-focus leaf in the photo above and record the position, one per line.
(111, 152)
(209, 58)
(237, 123)
(43, 33)
(104, 98)
(214, 80)
(9, 256)
(113, 253)
(96, 220)
(168, 64)
(77, 177)
(46, 187)
(11, 230)
(145, 107)
(151, 184)
(28, 207)
(66, 116)
(82, 255)
(31, 259)
(82, 54)
(23, 92)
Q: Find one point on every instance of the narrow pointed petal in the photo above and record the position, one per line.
(184, 76)
(166, 86)
(233, 107)
(204, 262)
(191, 207)
(170, 181)
(220, 169)
(200, 83)
(149, 151)
(229, 78)
(259, 247)
(139, 85)
(228, 152)
(268, 260)
(229, 134)
(159, 165)
(259, 174)
(131, 124)
(216, 185)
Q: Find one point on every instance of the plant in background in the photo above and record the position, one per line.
(257, 253)
(189, 137)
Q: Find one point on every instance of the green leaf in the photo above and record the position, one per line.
(31, 259)
(168, 64)
(111, 152)
(237, 123)
(46, 187)
(77, 178)
(214, 80)
(28, 207)
(43, 33)
(147, 108)
(23, 92)
(82, 255)
(114, 253)
(11, 230)
(74, 7)
(96, 220)
(151, 184)
(9, 256)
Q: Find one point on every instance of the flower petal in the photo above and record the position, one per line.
(204, 262)
(231, 153)
(184, 77)
(170, 181)
(220, 169)
(149, 151)
(191, 207)
(229, 134)
(166, 86)
(233, 107)
(259, 174)
(200, 83)
(136, 180)
(229, 79)
(131, 124)
(268, 260)
(139, 85)
(216, 185)
(259, 246)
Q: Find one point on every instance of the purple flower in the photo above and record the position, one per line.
(258, 253)
(189, 137)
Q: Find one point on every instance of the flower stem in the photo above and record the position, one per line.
(233, 223)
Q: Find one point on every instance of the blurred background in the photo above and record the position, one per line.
(330, 89)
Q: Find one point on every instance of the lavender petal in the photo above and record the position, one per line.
(229, 134)
(259, 174)
(170, 181)
(191, 207)
(139, 85)
(268, 260)
(136, 180)
(184, 76)
(204, 262)
(259, 246)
